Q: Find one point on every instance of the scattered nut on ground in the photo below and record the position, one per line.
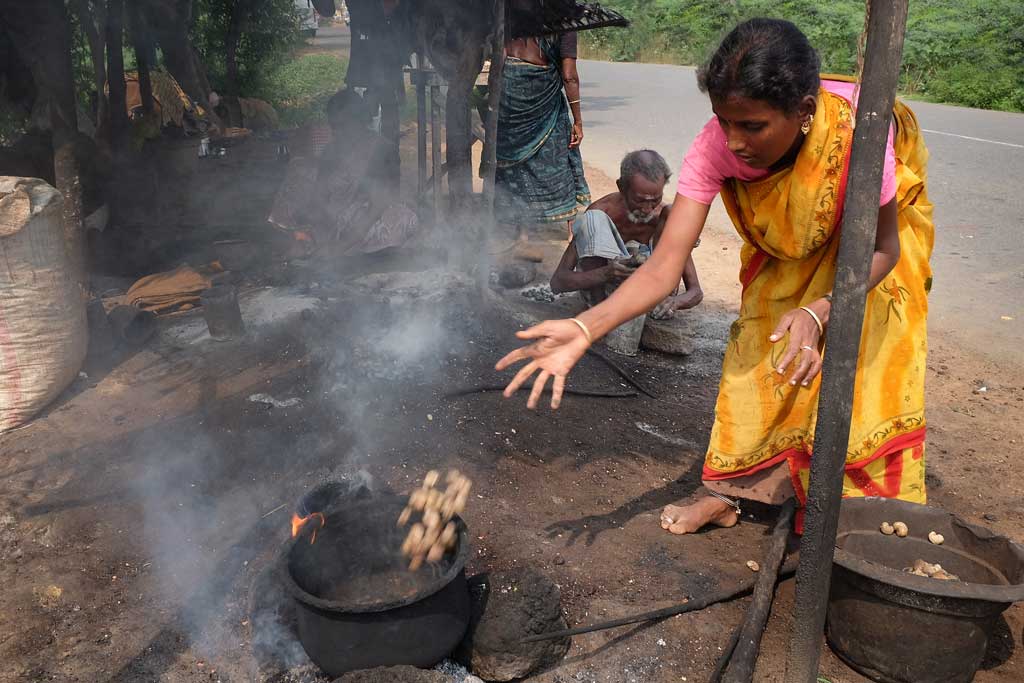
(753, 566)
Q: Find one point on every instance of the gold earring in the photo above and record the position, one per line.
(805, 127)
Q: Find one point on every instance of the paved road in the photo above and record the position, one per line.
(977, 161)
(336, 38)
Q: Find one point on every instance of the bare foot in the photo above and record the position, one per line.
(687, 519)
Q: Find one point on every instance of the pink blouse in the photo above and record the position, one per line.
(709, 162)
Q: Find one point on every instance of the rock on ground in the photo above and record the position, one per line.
(394, 674)
(674, 335)
(307, 673)
(507, 607)
(518, 274)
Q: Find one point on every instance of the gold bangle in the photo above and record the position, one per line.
(586, 330)
(817, 320)
(574, 101)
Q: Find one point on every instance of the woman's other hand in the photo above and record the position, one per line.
(802, 346)
(558, 346)
(577, 135)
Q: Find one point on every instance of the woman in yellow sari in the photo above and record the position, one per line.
(777, 151)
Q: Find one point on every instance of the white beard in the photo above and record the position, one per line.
(637, 217)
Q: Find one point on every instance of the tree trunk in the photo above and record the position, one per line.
(89, 18)
(171, 21)
(41, 34)
(142, 46)
(459, 138)
(115, 77)
(239, 19)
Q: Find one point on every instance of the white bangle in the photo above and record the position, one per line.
(817, 320)
(586, 330)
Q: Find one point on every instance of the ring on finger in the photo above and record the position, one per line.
(805, 347)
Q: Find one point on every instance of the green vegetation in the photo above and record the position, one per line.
(269, 35)
(299, 89)
(968, 52)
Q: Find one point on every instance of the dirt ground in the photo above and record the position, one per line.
(136, 513)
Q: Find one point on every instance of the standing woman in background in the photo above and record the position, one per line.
(777, 152)
(539, 177)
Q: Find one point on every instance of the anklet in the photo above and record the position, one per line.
(734, 504)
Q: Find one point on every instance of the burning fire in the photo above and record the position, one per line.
(299, 522)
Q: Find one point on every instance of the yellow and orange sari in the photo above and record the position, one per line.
(790, 222)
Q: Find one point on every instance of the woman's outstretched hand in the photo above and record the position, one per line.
(558, 346)
(802, 347)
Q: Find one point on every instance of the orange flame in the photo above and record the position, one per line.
(299, 522)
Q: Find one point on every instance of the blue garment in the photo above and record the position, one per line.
(538, 179)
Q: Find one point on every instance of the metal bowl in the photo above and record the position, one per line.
(897, 627)
(359, 606)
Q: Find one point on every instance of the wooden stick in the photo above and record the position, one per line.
(721, 595)
(744, 657)
(495, 83)
(886, 26)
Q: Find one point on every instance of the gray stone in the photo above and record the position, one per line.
(518, 274)
(674, 335)
(393, 674)
(507, 607)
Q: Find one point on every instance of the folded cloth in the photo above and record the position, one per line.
(594, 234)
(170, 291)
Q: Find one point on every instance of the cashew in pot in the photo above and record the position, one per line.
(901, 529)
(412, 541)
(418, 499)
(886, 529)
(936, 538)
(448, 535)
(403, 518)
(436, 552)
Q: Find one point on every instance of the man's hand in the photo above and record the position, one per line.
(615, 272)
(577, 135)
(680, 302)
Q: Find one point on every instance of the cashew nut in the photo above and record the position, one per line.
(753, 566)
(901, 529)
(935, 537)
(403, 518)
(886, 529)
(436, 552)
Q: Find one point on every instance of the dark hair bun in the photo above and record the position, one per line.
(763, 59)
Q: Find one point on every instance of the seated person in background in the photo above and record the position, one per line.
(345, 200)
(615, 227)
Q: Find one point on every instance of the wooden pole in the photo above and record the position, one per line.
(744, 656)
(421, 124)
(435, 148)
(495, 81)
(119, 126)
(886, 26)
